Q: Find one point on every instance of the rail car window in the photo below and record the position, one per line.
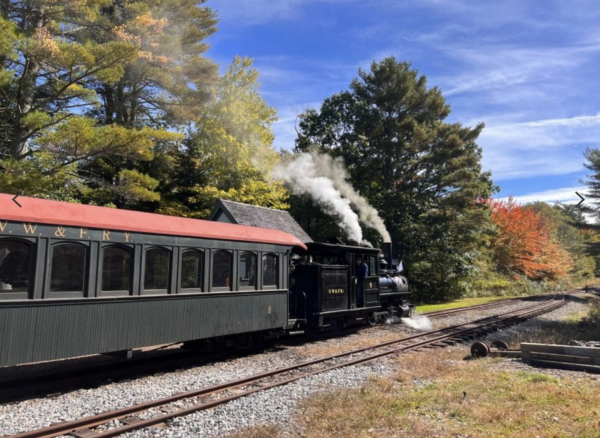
(329, 258)
(371, 262)
(116, 269)
(191, 270)
(157, 267)
(270, 270)
(222, 264)
(68, 268)
(247, 270)
(14, 266)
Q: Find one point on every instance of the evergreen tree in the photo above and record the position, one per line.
(47, 64)
(422, 173)
(93, 93)
(591, 206)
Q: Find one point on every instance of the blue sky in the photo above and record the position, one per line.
(528, 69)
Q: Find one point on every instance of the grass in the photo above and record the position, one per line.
(457, 303)
(438, 394)
(320, 349)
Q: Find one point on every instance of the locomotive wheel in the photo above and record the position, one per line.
(372, 320)
(480, 349)
(499, 345)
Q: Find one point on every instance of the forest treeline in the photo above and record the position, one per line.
(116, 103)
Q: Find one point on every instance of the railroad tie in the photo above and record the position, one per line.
(131, 420)
(83, 433)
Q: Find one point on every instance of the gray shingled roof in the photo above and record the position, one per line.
(252, 215)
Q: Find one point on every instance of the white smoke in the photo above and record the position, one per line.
(326, 181)
(336, 170)
(419, 322)
(303, 177)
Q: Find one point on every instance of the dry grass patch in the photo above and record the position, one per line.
(438, 394)
(463, 302)
(441, 395)
(259, 432)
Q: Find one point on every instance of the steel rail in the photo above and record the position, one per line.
(492, 304)
(492, 322)
(436, 313)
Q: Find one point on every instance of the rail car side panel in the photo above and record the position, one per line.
(49, 330)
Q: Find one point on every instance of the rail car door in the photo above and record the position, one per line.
(370, 283)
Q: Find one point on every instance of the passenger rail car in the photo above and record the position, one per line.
(78, 279)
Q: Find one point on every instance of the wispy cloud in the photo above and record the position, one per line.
(528, 72)
(253, 12)
(564, 195)
(543, 134)
(498, 66)
(540, 147)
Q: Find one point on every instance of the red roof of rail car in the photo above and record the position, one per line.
(66, 214)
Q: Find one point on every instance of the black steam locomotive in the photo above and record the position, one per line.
(324, 288)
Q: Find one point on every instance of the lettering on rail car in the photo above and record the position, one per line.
(30, 228)
(336, 291)
(61, 231)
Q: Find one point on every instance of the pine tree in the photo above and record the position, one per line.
(47, 63)
(423, 174)
(94, 94)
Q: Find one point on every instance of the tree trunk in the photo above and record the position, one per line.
(21, 135)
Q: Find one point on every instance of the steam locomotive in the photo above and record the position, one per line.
(79, 279)
(324, 288)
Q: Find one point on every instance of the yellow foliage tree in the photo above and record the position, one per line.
(230, 152)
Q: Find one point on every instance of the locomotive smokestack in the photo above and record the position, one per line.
(387, 253)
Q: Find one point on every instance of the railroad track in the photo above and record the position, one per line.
(161, 410)
(491, 305)
(89, 376)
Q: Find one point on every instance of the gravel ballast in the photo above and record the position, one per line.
(274, 406)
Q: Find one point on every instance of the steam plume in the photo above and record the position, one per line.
(303, 177)
(419, 322)
(326, 181)
(336, 170)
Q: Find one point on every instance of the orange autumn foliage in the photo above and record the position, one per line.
(524, 243)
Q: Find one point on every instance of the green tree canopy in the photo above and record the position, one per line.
(48, 63)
